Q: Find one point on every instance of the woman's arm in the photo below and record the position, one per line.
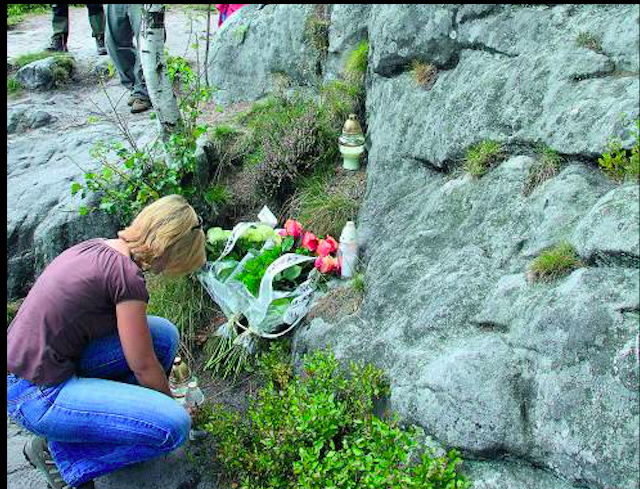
(135, 338)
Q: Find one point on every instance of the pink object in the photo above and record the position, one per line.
(309, 241)
(327, 246)
(293, 228)
(226, 10)
(326, 264)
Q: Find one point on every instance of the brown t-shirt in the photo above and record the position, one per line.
(72, 302)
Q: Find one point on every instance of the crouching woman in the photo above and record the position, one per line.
(86, 367)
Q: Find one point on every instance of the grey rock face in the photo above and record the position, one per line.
(535, 383)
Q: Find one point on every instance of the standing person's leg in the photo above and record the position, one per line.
(140, 91)
(119, 41)
(97, 22)
(60, 27)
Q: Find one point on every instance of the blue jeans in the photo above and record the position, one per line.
(100, 419)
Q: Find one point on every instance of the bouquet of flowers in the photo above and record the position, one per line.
(264, 281)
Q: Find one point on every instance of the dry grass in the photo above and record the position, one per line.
(426, 74)
(338, 303)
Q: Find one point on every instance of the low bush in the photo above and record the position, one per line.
(620, 163)
(480, 158)
(316, 430)
(13, 86)
(554, 263)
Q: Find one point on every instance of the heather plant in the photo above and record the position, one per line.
(317, 430)
(554, 263)
(316, 31)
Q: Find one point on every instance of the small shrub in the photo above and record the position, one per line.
(426, 74)
(342, 98)
(356, 65)
(217, 195)
(317, 430)
(554, 263)
(589, 41)
(547, 166)
(481, 157)
(620, 163)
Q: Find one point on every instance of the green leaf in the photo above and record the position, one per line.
(287, 244)
(75, 188)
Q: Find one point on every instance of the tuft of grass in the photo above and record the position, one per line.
(185, 303)
(325, 202)
(342, 98)
(356, 66)
(27, 58)
(547, 166)
(426, 74)
(622, 164)
(359, 283)
(217, 195)
(589, 41)
(16, 12)
(481, 157)
(554, 263)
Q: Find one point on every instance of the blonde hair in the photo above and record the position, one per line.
(170, 229)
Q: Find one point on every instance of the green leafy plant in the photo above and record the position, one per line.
(554, 263)
(546, 167)
(316, 430)
(130, 177)
(481, 157)
(589, 41)
(426, 74)
(620, 163)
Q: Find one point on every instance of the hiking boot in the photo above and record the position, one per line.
(57, 44)
(132, 98)
(140, 105)
(102, 50)
(37, 454)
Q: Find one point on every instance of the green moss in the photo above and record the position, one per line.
(27, 58)
(554, 263)
(481, 157)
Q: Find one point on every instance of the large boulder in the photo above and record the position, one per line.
(42, 215)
